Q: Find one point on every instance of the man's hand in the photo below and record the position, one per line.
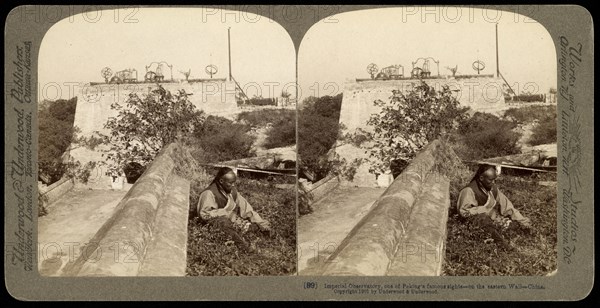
(526, 226)
(266, 228)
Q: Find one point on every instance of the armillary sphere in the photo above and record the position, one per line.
(106, 72)
(478, 66)
(211, 69)
(372, 69)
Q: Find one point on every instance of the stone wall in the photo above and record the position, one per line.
(147, 234)
(93, 102)
(321, 188)
(479, 93)
(94, 108)
(56, 190)
(404, 234)
(482, 94)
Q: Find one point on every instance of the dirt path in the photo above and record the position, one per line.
(320, 232)
(70, 223)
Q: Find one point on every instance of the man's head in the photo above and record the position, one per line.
(226, 179)
(486, 175)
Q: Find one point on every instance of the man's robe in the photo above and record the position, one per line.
(214, 202)
(474, 199)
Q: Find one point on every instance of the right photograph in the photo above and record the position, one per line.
(427, 144)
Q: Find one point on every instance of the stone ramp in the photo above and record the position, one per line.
(70, 223)
(168, 245)
(405, 231)
(320, 233)
(158, 199)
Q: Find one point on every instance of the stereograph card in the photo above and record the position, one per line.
(299, 152)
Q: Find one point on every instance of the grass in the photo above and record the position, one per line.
(542, 117)
(208, 254)
(281, 123)
(469, 254)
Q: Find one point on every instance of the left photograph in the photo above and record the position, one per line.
(167, 145)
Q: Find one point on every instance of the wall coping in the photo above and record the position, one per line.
(371, 246)
(118, 248)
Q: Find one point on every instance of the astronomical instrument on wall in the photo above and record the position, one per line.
(157, 74)
(211, 69)
(478, 66)
(424, 70)
(125, 76)
(391, 72)
(372, 69)
(106, 73)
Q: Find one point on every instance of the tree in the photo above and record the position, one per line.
(145, 124)
(318, 130)
(408, 122)
(56, 132)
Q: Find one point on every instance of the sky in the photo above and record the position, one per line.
(340, 49)
(75, 49)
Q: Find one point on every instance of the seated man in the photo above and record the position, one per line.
(221, 205)
(484, 202)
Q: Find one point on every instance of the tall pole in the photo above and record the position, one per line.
(497, 61)
(229, 47)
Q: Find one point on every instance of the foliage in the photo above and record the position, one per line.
(544, 133)
(209, 255)
(531, 114)
(261, 118)
(542, 117)
(145, 124)
(304, 201)
(281, 124)
(408, 122)
(42, 201)
(485, 135)
(283, 132)
(220, 139)
(528, 98)
(56, 132)
(469, 252)
(309, 101)
(259, 101)
(318, 130)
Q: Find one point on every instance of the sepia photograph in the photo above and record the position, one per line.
(299, 152)
(167, 145)
(436, 145)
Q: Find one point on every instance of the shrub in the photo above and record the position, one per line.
(531, 114)
(220, 139)
(259, 101)
(528, 98)
(408, 122)
(544, 119)
(282, 133)
(485, 135)
(261, 118)
(144, 125)
(318, 130)
(544, 133)
(56, 131)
